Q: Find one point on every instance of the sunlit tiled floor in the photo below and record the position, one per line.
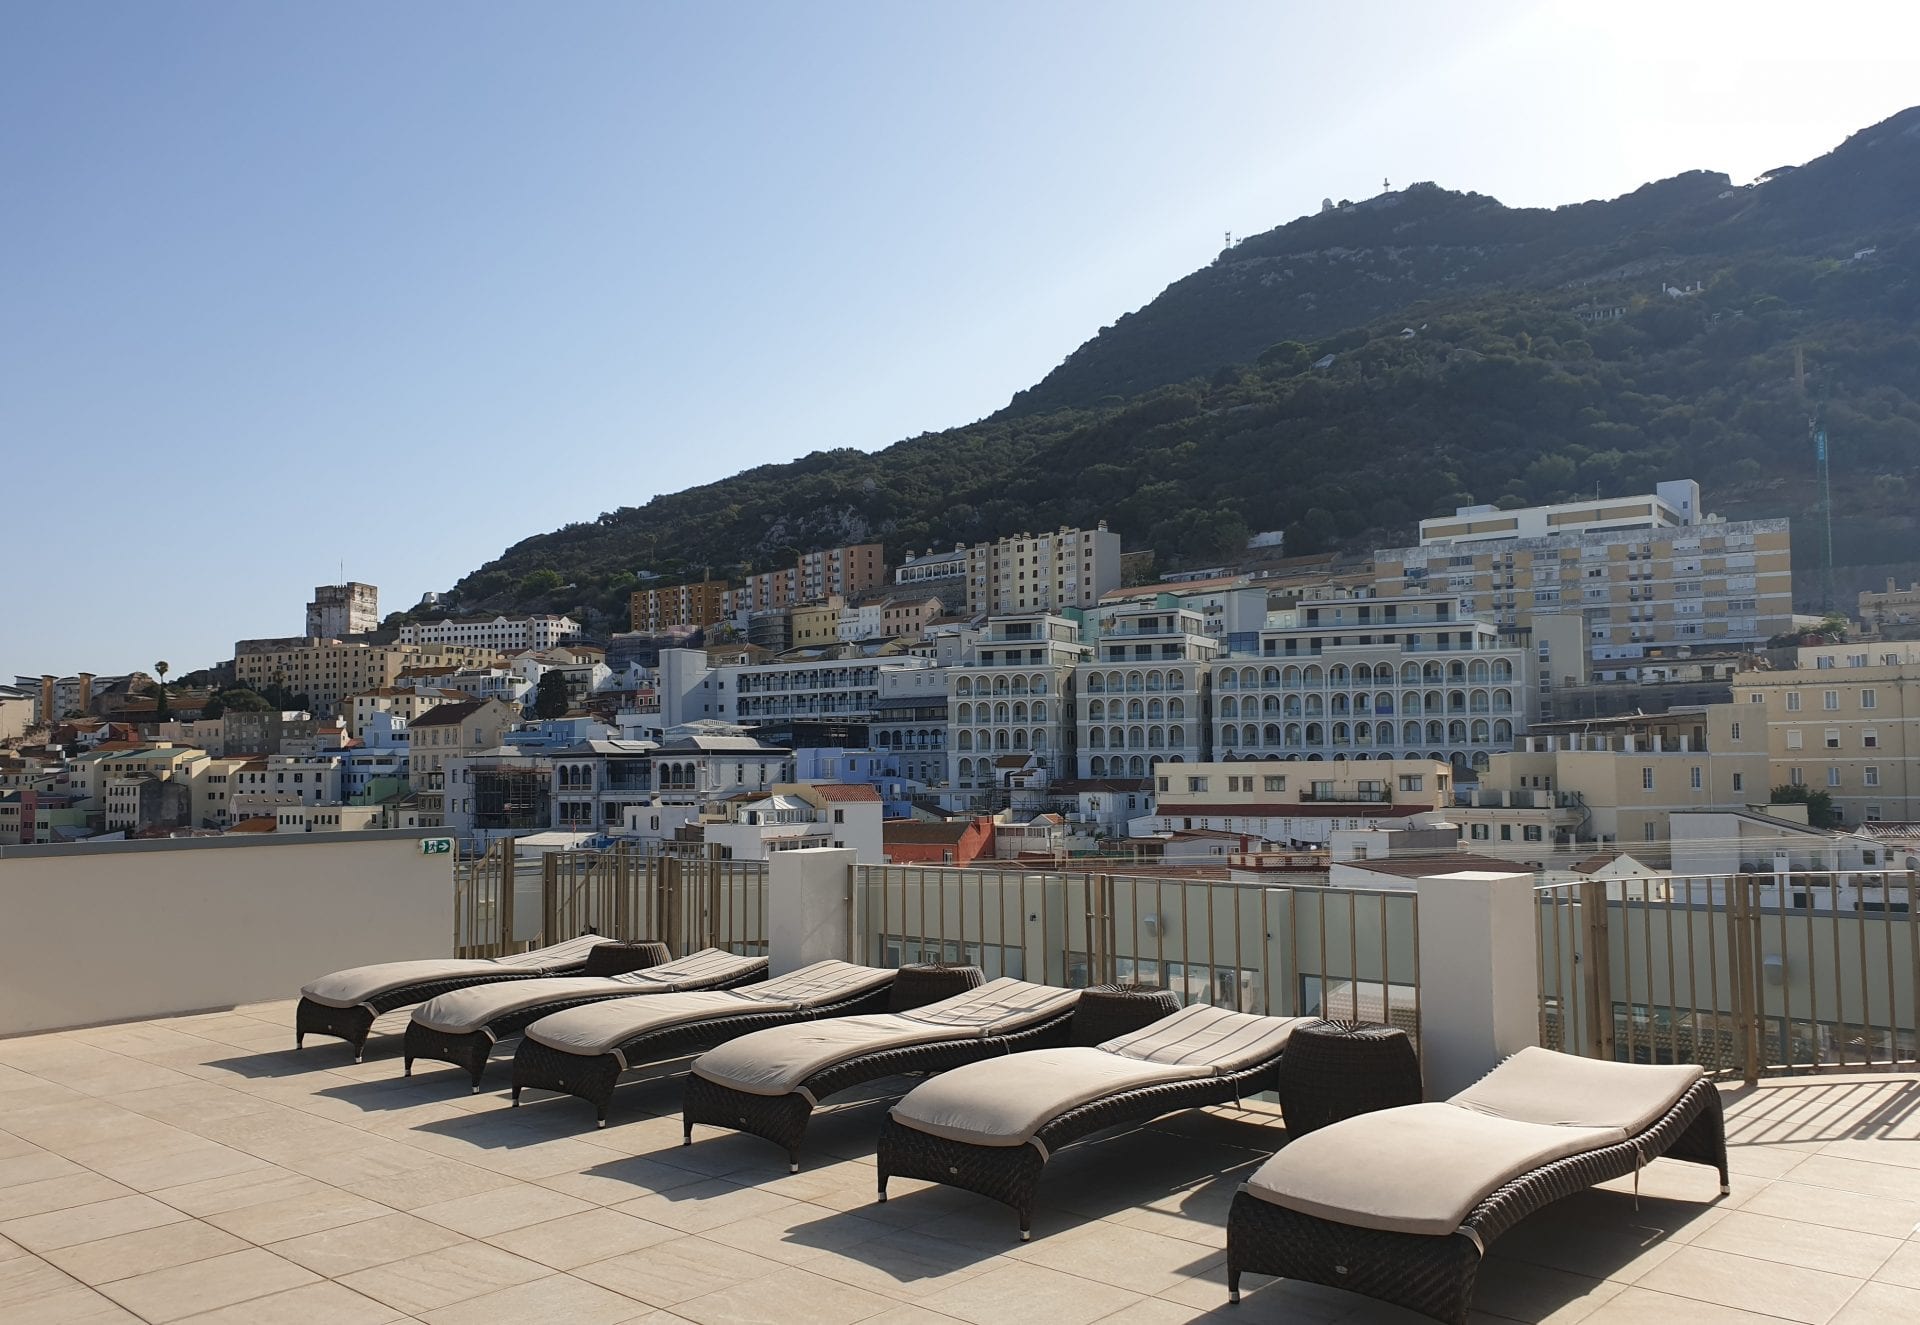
(197, 1169)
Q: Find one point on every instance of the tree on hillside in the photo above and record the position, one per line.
(162, 710)
(236, 699)
(550, 698)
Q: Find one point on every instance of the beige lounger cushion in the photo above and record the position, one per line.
(822, 983)
(357, 984)
(999, 1007)
(775, 1061)
(600, 1028)
(467, 1010)
(696, 970)
(1218, 1039)
(1541, 1086)
(1420, 1169)
(1004, 1101)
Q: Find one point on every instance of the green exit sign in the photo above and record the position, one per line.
(436, 846)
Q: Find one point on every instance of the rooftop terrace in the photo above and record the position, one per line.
(197, 1168)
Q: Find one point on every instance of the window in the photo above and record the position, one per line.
(1830, 700)
(1739, 781)
(1694, 777)
(1832, 737)
(1412, 781)
(1646, 779)
(1276, 784)
(1162, 783)
(1196, 784)
(1506, 832)
(839, 816)
(1793, 701)
(1870, 739)
(1833, 777)
(1478, 832)
(1756, 698)
(1646, 831)
(1531, 832)
(1870, 775)
(1793, 739)
(1735, 733)
(1869, 699)
(1796, 777)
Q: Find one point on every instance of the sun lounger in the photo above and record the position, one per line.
(345, 1003)
(768, 1083)
(582, 1051)
(991, 1126)
(462, 1027)
(1400, 1205)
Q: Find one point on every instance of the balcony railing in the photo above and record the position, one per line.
(1379, 796)
(1746, 974)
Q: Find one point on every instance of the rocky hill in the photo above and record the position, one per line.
(1478, 353)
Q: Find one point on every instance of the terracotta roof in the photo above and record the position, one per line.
(907, 831)
(263, 824)
(1012, 761)
(846, 791)
(1597, 862)
(447, 715)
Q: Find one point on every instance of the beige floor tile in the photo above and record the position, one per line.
(905, 1264)
(197, 1164)
(620, 1178)
(430, 1184)
(1790, 1242)
(574, 1240)
(337, 1251)
(441, 1278)
(312, 1304)
(797, 1233)
(129, 1254)
(557, 1298)
(237, 1191)
(1881, 1304)
(1264, 1299)
(488, 1213)
(25, 1280)
(777, 1296)
(1639, 1306)
(1147, 1311)
(1750, 1284)
(88, 1223)
(276, 1221)
(706, 1203)
(672, 1272)
(75, 1306)
(34, 1165)
(38, 1198)
(1889, 1182)
(187, 1290)
(1514, 1290)
(1123, 1256)
(10, 1249)
(1836, 1208)
(1029, 1292)
(1903, 1267)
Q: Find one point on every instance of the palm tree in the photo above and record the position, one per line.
(161, 709)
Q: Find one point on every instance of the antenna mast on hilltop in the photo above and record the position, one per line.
(1817, 431)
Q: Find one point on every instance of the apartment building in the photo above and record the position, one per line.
(338, 610)
(698, 770)
(260, 788)
(1846, 721)
(910, 722)
(1232, 608)
(815, 624)
(1645, 575)
(213, 784)
(451, 731)
(797, 815)
(1623, 778)
(495, 634)
(402, 702)
(596, 782)
(330, 671)
(907, 615)
(847, 571)
(1013, 694)
(942, 573)
(840, 690)
(1274, 801)
(1373, 678)
(1142, 699)
(1892, 606)
(1042, 573)
(677, 607)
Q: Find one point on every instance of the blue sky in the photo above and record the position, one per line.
(286, 286)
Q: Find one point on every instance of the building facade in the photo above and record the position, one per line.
(495, 634)
(1013, 694)
(847, 571)
(338, 610)
(1043, 573)
(329, 671)
(1142, 699)
(910, 722)
(677, 607)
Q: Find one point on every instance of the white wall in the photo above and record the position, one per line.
(124, 930)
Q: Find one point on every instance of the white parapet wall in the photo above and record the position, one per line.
(809, 907)
(122, 930)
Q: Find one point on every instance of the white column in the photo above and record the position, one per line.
(1479, 981)
(809, 907)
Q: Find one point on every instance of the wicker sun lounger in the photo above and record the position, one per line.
(768, 1083)
(1401, 1205)
(990, 1127)
(345, 1003)
(583, 1050)
(462, 1027)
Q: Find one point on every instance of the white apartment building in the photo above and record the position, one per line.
(696, 770)
(1013, 695)
(263, 786)
(1232, 608)
(935, 572)
(1042, 573)
(498, 634)
(760, 694)
(1670, 505)
(1373, 678)
(798, 815)
(910, 722)
(1142, 699)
